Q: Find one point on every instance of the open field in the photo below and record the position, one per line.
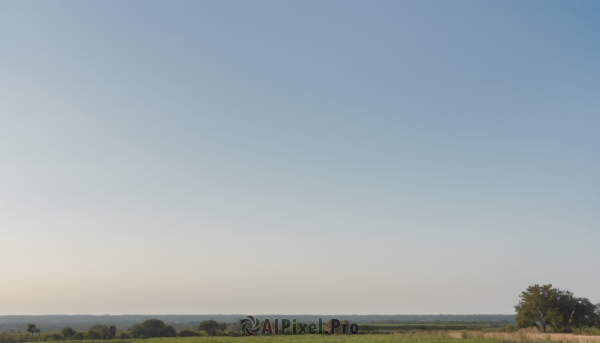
(523, 336)
(308, 339)
(55, 323)
(407, 337)
(427, 327)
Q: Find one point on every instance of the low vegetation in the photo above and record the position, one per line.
(544, 313)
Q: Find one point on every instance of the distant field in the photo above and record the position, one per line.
(417, 337)
(307, 338)
(426, 327)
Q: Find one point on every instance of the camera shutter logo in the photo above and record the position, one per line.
(250, 325)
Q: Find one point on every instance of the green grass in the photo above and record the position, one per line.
(426, 327)
(305, 338)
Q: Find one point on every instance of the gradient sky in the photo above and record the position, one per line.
(297, 157)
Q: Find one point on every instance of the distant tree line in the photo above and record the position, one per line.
(150, 328)
(55, 323)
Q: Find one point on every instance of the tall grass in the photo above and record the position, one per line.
(525, 335)
(473, 336)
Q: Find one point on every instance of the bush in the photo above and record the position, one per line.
(137, 331)
(510, 328)
(124, 335)
(153, 327)
(93, 334)
(78, 336)
(168, 331)
(103, 330)
(212, 328)
(188, 333)
(53, 337)
(67, 332)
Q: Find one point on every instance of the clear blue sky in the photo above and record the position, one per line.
(297, 156)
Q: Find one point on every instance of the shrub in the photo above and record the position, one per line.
(168, 331)
(124, 335)
(188, 333)
(152, 328)
(93, 334)
(54, 337)
(67, 332)
(77, 336)
(137, 331)
(212, 328)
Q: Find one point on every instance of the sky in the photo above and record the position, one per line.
(297, 157)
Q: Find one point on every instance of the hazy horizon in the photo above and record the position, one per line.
(374, 157)
(217, 315)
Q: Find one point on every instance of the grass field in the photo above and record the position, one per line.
(312, 339)
(409, 337)
(427, 327)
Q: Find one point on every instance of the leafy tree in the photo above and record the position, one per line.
(54, 337)
(102, 330)
(544, 306)
(152, 328)
(99, 327)
(534, 305)
(93, 334)
(187, 333)
(574, 312)
(78, 336)
(137, 331)
(68, 332)
(169, 331)
(31, 328)
(112, 331)
(211, 327)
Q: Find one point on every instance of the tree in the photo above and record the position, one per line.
(31, 328)
(152, 328)
(93, 334)
(137, 331)
(210, 326)
(68, 332)
(112, 331)
(545, 306)
(534, 305)
(187, 333)
(78, 336)
(169, 331)
(101, 330)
